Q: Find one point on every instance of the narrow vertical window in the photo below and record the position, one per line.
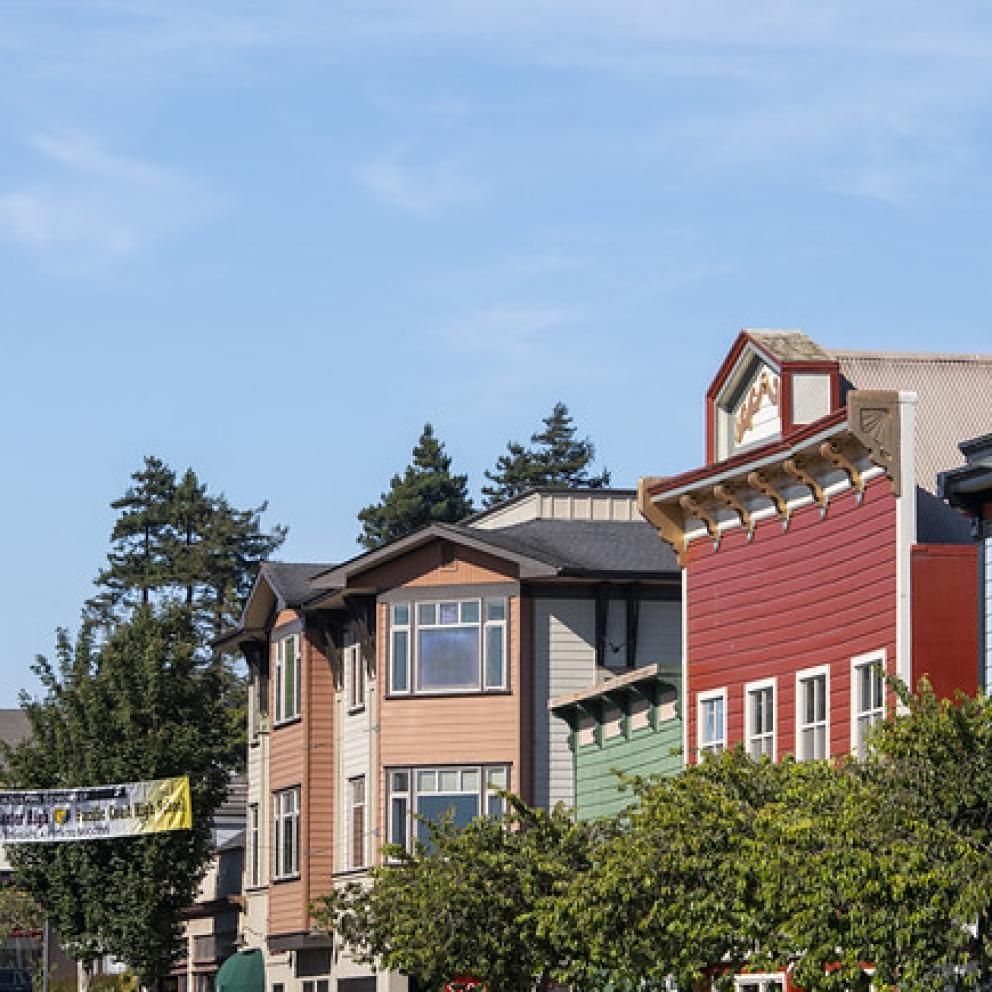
(399, 671)
(287, 689)
(712, 722)
(760, 718)
(813, 742)
(254, 846)
(356, 828)
(354, 677)
(495, 644)
(867, 697)
(399, 808)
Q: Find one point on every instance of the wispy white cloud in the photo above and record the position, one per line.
(95, 208)
(418, 188)
(513, 332)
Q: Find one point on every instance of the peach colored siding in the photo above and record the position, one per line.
(425, 568)
(300, 755)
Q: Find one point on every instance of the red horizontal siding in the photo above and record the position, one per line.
(818, 593)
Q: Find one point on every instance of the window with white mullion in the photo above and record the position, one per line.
(711, 718)
(286, 833)
(812, 724)
(354, 676)
(356, 826)
(868, 697)
(288, 680)
(760, 719)
(456, 645)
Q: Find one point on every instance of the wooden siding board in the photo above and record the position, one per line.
(564, 662)
(818, 593)
(424, 567)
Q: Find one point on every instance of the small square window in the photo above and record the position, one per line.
(427, 613)
(496, 609)
(470, 611)
(448, 613)
(401, 614)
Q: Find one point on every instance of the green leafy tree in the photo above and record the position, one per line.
(140, 705)
(556, 459)
(891, 863)
(427, 492)
(468, 902)
(18, 911)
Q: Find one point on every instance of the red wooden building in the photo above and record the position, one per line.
(814, 552)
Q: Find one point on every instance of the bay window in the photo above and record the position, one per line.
(457, 645)
(417, 795)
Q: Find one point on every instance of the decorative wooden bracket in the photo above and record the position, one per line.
(761, 482)
(666, 519)
(729, 497)
(692, 507)
(796, 467)
(833, 453)
(873, 417)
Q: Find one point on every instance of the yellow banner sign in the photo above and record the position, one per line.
(95, 813)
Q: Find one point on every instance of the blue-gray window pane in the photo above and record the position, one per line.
(448, 659)
(401, 651)
(465, 809)
(494, 658)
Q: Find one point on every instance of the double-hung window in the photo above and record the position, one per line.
(759, 717)
(867, 697)
(356, 822)
(457, 645)
(354, 677)
(286, 821)
(812, 716)
(711, 721)
(254, 847)
(287, 680)
(417, 795)
(759, 983)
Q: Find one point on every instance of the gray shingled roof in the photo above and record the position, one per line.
(790, 346)
(292, 582)
(954, 400)
(586, 545)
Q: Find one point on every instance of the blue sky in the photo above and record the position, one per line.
(270, 240)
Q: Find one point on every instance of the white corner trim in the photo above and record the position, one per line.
(905, 538)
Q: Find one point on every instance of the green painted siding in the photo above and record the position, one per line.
(645, 751)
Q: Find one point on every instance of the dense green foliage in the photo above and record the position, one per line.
(173, 541)
(425, 493)
(821, 867)
(139, 705)
(18, 911)
(469, 902)
(556, 459)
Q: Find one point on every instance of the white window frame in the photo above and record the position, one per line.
(254, 846)
(354, 677)
(874, 714)
(490, 803)
(286, 814)
(762, 979)
(413, 627)
(761, 685)
(715, 746)
(803, 676)
(292, 642)
(357, 831)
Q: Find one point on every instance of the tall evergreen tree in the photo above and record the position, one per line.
(139, 706)
(556, 459)
(426, 492)
(177, 542)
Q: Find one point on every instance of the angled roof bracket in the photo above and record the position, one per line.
(694, 509)
(764, 485)
(728, 495)
(833, 453)
(798, 469)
